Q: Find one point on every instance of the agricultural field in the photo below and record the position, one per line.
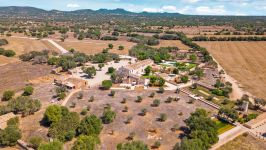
(96, 46)
(244, 142)
(244, 61)
(16, 75)
(147, 128)
(24, 45)
(194, 30)
(172, 43)
(211, 35)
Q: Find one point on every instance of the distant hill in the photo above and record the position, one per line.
(16, 13)
(32, 11)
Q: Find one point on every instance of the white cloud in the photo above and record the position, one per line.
(206, 10)
(73, 5)
(153, 10)
(166, 8)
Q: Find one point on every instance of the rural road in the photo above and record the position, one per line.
(63, 50)
(237, 92)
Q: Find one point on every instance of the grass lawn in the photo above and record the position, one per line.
(217, 99)
(223, 126)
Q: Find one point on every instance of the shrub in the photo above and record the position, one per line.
(184, 79)
(129, 119)
(107, 84)
(163, 117)
(80, 96)
(3, 42)
(110, 46)
(111, 70)
(121, 47)
(134, 145)
(143, 112)
(35, 141)
(84, 112)
(124, 101)
(8, 95)
(161, 90)
(175, 127)
(125, 109)
(108, 116)
(139, 99)
(156, 103)
(55, 145)
(13, 121)
(112, 93)
(152, 95)
(169, 100)
(9, 53)
(86, 142)
(28, 90)
(91, 99)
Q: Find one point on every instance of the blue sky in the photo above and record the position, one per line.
(195, 7)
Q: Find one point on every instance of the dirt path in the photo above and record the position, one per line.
(237, 91)
(69, 96)
(63, 50)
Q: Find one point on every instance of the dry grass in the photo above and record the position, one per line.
(15, 76)
(23, 45)
(199, 29)
(172, 43)
(6, 60)
(96, 46)
(244, 143)
(244, 61)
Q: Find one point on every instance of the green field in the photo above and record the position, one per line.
(223, 126)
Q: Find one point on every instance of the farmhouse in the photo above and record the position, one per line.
(4, 119)
(136, 68)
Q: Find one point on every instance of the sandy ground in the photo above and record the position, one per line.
(172, 43)
(96, 46)
(244, 61)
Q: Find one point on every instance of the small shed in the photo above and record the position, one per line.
(76, 83)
